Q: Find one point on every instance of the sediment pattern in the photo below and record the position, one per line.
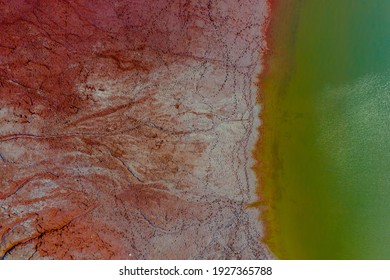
(127, 129)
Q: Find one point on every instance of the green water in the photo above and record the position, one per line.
(327, 130)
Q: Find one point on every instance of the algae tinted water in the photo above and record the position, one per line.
(325, 147)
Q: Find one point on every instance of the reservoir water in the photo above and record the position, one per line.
(324, 152)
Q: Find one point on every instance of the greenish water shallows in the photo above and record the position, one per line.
(326, 146)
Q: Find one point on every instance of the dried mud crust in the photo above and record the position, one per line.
(127, 127)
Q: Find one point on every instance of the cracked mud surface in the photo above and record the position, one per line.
(127, 129)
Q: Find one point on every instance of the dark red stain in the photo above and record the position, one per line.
(45, 44)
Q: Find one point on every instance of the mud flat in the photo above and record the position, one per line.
(127, 129)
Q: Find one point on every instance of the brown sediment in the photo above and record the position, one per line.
(278, 32)
(126, 127)
(263, 203)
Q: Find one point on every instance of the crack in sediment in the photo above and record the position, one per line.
(39, 233)
(22, 183)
